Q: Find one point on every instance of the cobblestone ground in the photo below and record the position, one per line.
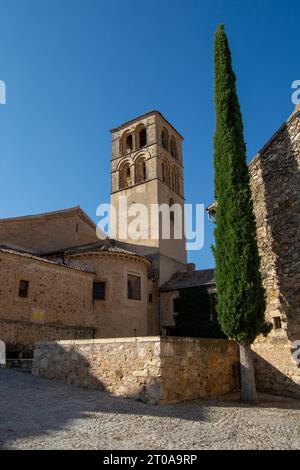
(37, 413)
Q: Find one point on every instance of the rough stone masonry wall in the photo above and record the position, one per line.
(48, 232)
(194, 368)
(153, 369)
(58, 305)
(275, 180)
(21, 335)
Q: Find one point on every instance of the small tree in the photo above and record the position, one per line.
(241, 296)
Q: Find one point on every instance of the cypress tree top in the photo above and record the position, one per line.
(241, 296)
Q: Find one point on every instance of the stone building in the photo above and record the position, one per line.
(186, 285)
(147, 168)
(275, 185)
(275, 181)
(59, 281)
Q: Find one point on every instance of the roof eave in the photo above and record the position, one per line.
(131, 121)
(52, 214)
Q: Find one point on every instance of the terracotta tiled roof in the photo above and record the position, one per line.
(25, 254)
(107, 245)
(183, 280)
(102, 246)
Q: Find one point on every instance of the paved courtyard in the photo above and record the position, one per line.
(37, 413)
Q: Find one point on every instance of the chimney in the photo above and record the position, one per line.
(190, 268)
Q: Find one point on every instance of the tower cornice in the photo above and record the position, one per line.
(138, 118)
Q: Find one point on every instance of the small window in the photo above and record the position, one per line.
(143, 138)
(140, 171)
(277, 323)
(173, 180)
(125, 176)
(129, 143)
(164, 178)
(173, 148)
(164, 139)
(23, 289)
(133, 287)
(150, 298)
(165, 172)
(99, 291)
(172, 215)
(176, 182)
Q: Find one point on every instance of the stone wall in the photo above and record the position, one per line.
(58, 305)
(117, 315)
(276, 371)
(60, 302)
(22, 335)
(48, 232)
(153, 369)
(194, 368)
(275, 182)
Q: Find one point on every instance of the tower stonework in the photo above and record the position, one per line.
(146, 168)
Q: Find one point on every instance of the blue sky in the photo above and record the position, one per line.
(76, 68)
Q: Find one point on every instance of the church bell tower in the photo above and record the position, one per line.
(146, 168)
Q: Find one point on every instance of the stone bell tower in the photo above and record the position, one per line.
(146, 168)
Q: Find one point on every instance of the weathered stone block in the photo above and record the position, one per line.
(183, 368)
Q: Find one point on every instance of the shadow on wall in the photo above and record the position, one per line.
(270, 380)
(69, 364)
(155, 370)
(20, 336)
(282, 199)
(280, 166)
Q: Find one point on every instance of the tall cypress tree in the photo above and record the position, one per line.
(241, 296)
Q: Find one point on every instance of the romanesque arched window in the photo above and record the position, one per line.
(129, 143)
(165, 172)
(142, 138)
(173, 176)
(177, 184)
(174, 180)
(173, 148)
(126, 144)
(171, 203)
(125, 175)
(140, 170)
(165, 139)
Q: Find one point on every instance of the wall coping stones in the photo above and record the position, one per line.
(158, 370)
(134, 339)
